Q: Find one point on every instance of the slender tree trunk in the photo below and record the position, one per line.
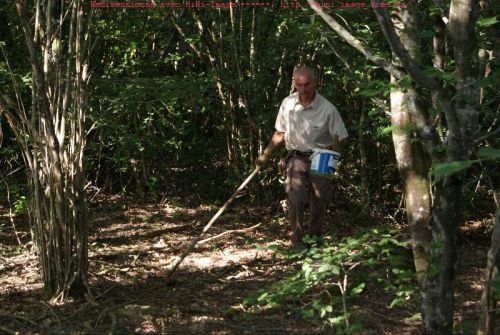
(363, 153)
(439, 282)
(486, 323)
(412, 161)
(413, 167)
(489, 305)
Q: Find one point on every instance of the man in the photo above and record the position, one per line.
(306, 121)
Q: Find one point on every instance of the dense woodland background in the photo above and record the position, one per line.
(148, 119)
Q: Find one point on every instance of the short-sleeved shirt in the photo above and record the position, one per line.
(311, 127)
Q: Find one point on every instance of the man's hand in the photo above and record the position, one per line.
(282, 166)
(338, 146)
(277, 140)
(266, 156)
(262, 160)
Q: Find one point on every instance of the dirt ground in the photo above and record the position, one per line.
(132, 246)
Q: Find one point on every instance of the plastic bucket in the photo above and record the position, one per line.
(324, 162)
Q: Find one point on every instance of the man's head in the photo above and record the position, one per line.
(304, 82)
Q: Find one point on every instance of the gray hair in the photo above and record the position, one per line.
(304, 70)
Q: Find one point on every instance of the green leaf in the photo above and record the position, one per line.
(336, 320)
(370, 92)
(495, 285)
(358, 289)
(425, 34)
(443, 169)
(375, 111)
(487, 21)
(405, 82)
(387, 130)
(397, 301)
(446, 76)
(489, 153)
(492, 80)
(308, 313)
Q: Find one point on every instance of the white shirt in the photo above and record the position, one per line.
(311, 127)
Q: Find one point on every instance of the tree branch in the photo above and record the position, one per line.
(229, 232)
(440, 96)
(397, 47)
(397, 72)
(39, 81)
(463, 17)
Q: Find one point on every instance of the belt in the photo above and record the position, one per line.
(300, 153)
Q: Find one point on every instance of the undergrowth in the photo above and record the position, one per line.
(334, 274)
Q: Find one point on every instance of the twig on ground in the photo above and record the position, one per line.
(95, 195)
(96, 274)
(127, 268)
(383, 316)
(100, 317)
(11, 214)
(104, 272)
(198, 238)
(113, 323)
(255, 330)
(81, 310)
(15, 317)
(8, 331)
(105, 292)
(229, 232)
(58, 319)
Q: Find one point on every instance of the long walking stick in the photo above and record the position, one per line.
(207, 227)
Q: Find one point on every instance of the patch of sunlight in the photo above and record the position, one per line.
(228, 257)
(201, 262)
(198, 323)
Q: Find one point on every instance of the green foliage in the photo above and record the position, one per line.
(444, 169)
(333, 274)
(465, 327)
(146, 125)
(375, 88)
(439, 74)
(21, 205)
(389, 130)
(488, 153)
(487, 21)
(485, 154)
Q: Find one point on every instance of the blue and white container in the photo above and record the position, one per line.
(324, 162)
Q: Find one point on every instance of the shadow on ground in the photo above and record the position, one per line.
(132, 247)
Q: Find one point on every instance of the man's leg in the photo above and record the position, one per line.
(297, 189)
(320, 193)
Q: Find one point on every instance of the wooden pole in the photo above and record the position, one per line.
(212, 221)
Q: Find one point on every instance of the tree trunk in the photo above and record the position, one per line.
(461, 121)
(458, 141)
(56, 134)
(437, 298)
(439, 282)
(413, 169)
(486, 323)
(413, 163)
(363, 154)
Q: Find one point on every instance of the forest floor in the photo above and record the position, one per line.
(133, 245)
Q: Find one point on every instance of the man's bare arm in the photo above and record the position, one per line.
(278, 138)
(339, 146)
(276, 141)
